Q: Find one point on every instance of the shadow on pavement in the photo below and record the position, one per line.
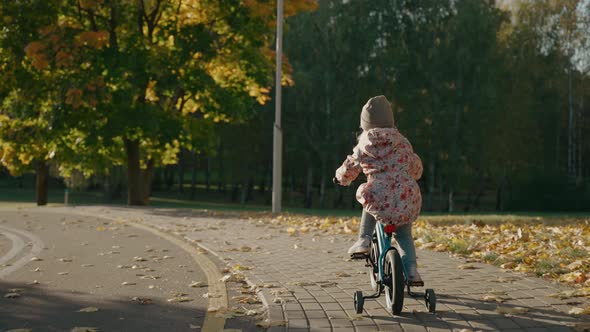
(42, 309)
(487, 319)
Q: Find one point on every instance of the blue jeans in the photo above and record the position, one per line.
(403, 236)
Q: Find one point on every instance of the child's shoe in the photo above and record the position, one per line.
(414, 278)
(361, 246)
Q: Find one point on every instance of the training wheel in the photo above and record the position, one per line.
(430, 299)
(359, 302)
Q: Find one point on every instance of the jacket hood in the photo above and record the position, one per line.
(379, 142)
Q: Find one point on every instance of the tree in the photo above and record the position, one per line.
(138, 76)
(29, 136)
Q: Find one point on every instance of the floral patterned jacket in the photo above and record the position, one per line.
(391, 193)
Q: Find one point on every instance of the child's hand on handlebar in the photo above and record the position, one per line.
(335, 180)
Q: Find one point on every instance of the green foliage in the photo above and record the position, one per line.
(115, 77)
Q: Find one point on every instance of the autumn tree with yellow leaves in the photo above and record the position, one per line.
(131, 82)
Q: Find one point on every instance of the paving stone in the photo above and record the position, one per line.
(319, 323)
(292, 306)
(297, 323)
(390, 328)
(315, 314)
(504, 323)
(413, 327)
(311, 306)
(330, 306)
(341, 323)
(295, 314)
(483, 325)
(438, 326)
(277, 329)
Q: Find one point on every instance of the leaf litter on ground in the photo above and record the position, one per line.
(556, 248)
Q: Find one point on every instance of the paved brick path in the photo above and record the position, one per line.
(312, 281)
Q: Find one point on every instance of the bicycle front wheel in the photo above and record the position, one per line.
(394, 281)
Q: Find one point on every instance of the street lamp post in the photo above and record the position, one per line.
(277, 159)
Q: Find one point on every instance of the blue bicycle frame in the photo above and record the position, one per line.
(384, 243)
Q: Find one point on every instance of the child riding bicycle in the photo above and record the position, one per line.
(391, 194)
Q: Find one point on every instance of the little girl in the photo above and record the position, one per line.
(391, 194)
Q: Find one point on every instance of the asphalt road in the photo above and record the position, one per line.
(60, 272)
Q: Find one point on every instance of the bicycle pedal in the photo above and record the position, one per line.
(416, 283)
(358, 256)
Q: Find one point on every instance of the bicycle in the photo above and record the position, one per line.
(388, 274)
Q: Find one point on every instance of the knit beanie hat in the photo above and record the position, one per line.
(377, 113)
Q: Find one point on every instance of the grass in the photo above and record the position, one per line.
(26, 198)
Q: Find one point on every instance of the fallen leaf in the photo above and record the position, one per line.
(493, 298)
(570, 293)
(239, 267)
(149, 277)
(88, 309)
(268, 324)
(198, 284)
(12, 295)
(276, 292)
(126, 283)
(63, 273)
(511, 310)
(326, 284)
(342, 274)
(180, 299)
(467, 267)
(579, 311)
(268, 286)
(84, 329)
(194, 327)
(142, 300)
(36, 259)
(65, 260)
(575, 265)
(139, 259)
(87, 265)
(235, 277)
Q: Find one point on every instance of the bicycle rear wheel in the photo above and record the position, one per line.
(394, 281)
